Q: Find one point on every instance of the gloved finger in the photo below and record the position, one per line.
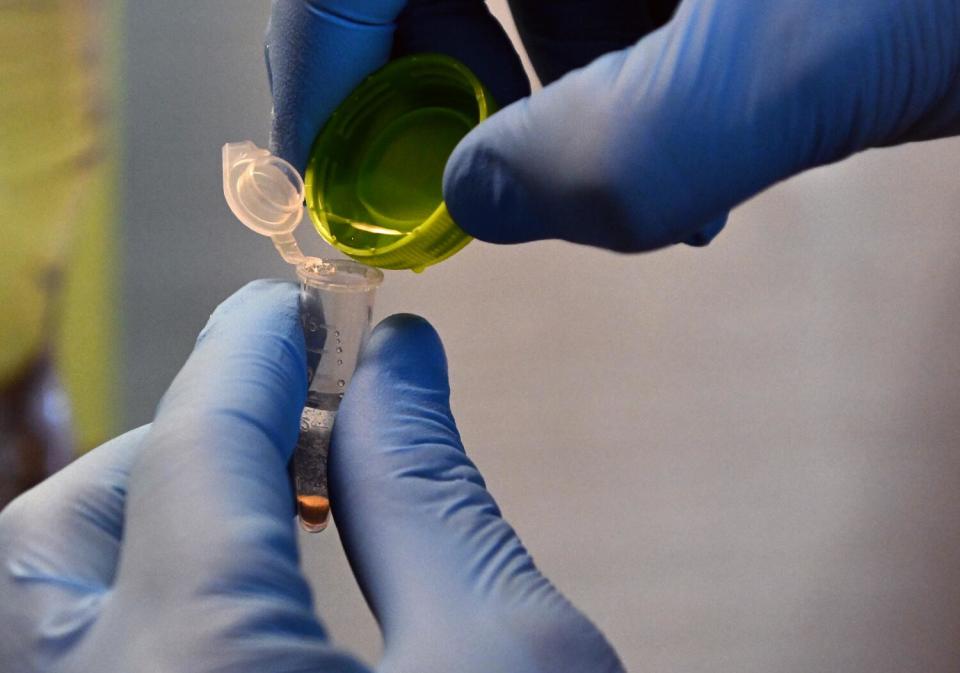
(646, 146)
(706, 235)
(571, 34)
(209, 540)
(210, 490)
(209, 511)
(60, 542)
(318, 51)
(592, 159)
(606, 156)
(426, 539)
(467, 31)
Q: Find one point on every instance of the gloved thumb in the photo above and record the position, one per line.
(607, 156)
(449, 581)
(652, 145)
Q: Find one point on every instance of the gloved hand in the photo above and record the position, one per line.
(318, 51)
(173, 548)
(647, 145)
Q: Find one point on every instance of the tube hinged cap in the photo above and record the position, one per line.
(263, 191)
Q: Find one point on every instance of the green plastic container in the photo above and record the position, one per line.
(375, 173)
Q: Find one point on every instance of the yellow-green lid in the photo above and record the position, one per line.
(374, 181)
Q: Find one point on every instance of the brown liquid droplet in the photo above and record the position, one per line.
(314, 512)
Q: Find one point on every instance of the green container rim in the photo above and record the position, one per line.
(413, 250)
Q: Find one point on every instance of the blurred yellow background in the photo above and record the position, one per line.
(58, 199)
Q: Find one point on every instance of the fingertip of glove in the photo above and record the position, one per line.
(405, 348)
(480, 193)
(256, 300)
(705, 236)
(264, 315)
(406, 334)
(405, 325)
(244, 383)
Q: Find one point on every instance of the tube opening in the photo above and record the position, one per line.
(339, 275)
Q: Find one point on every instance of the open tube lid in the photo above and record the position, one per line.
(266, 194)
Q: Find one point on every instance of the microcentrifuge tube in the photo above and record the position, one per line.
(336, 301)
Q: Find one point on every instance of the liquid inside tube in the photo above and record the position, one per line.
(310, 461)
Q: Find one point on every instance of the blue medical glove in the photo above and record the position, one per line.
(173, 547)
(318, 51)
(648, 145)
(449, 582)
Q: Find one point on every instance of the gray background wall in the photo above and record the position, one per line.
(744, 458)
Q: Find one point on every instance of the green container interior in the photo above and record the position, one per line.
(376, 170)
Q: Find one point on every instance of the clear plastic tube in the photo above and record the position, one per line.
(336, 304)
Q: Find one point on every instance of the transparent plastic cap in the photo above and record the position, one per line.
(265, 193)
